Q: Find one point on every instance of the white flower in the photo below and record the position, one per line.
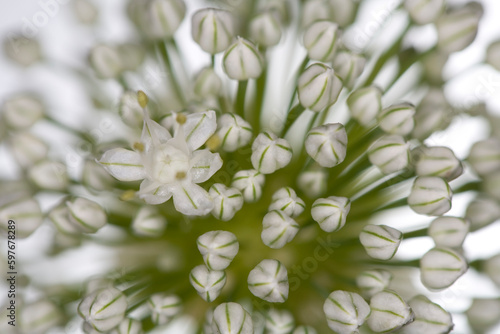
(389, 153)
(321, 40)
(389, 312)
(218, 249)
(250, 183)
(25, 212)
(286, 200)
(130, 110)
(313, 182)
(493, 55)
(457, 29)
(132, 55)
(231, 318)
(163, 307)
(397, 119)
(106, 61)
(22, 111)
(270, 153)
(424, 11)
(331, 212)
(315, 10)
(23, 50)
(234, 132)
(227, 201)
(27, 149)
(327, 144)
(39, 317)
(373, 281)
(441, 267)
(343, 11)
(148, 222)
(207, 83)
(103, 309)
(60, 216)
(349, 67)
(318, 87)
(242, 61)
(269, 281)
(86, 11)
(365, 104)
(279, 322)
(430, 318)
(265, 29)
(434, 113)
(95, 176)
(87, 215)
(129, 326)
(484, 156)
(49, 175)
(483, 314)
(430, 196)
(437, 161)
(345, 311)
(304, 330)
(278, 229)
(207, 283)
(380, 241)
(482, 212)
(449, 231)
(158, 19)
(212, 29)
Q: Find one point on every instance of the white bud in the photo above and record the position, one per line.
(491, 267)
(218, 249)
(318, 87)
(269, 281)
(231, 318)
(315, 10)
(163, 307)
(331, 212)
(484, 156)
(95, 176)
(493, 55)
(270, 153)
(349, 67)
(424, 11)
(88, 329)
(279, 322)
(265, 29)
(129, 326)
(26, 214)
(234, 132)
(345, 311)
(49, 175)
(304, 330)
(433, 66)
(397, 119)
(321, 40)
(23, 50)
(278, 229)
(250, 183)
(389, 153)
(373, 281)
(344, 11)
(434, 113)
(87, 215)
(365, 104)
(86, 12)
(60, 217)
(208, 323)
(227, 201)
(430, 196)
(482, 212)
(313, 182)
(491, 185)
(389, 312)
(106, 61)
(286, 200)
(457, 29)
(380, 241)
(39, 317)
(212, 29)
(430, 318)
(483, 314)
(449, 231)
(438, 161)
(158, 19)
(27, 149)
(242, 61)
(103, 309)
(327, 144)
(207, 83)
(207, 283)
(132, 55)
(149, 222)
(22, 111)
(441, 267)
(130, 110)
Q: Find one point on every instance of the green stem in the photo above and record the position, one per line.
(168, 65)
(239, 103)
(259, 100)
(82, 135)
(292, 117)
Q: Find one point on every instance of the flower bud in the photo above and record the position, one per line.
(433, 65)
(441, 267)
(380, 241)
(39, 317)
(318, 87)
(212, 29)
(457, 29)
(278, 229)
(493, 55)
(331, 212)
(327, 144)
(227, 201)
(207, 83)
(448, 231)
(397, 119)
(430, 318)
(130, 110)
(482, 212)
(103, 309)
(86, 12)
(491, 268)
(95, 176)
(389, 312)
(207, 283)
(28, 149)
(313, 182)
(218, 249)
(269, 281)
(371, 282)
(132, 56)
(434, 113)
(163, 307)
(365, 104)
(22, 111)
(344, 11)
(321, 40)
(129, 326)
(315, 10)
(158, 19)
(49, 175)
(26, 213)
(349, 67)
(484, 156)
(87, 215)
(286, 200)
(424, 11)
(23, 50)
(270, 153)
(483, 314)
(106, 62)
(265, 29)
(242, 61)
(390, 154)
(438, 161)
(430, 196)
(234, 131)
(345, 311)
(149, 222)
(491, 185)
(231, 318)
(279, 322)
(304, 330)
(60, 217)
(250, 183)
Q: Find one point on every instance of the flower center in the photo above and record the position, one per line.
(169, 164)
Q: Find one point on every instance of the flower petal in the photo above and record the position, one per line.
(154, 193)
(153, 134)
(191, 199)
(204, 164)
(125, 165)
(199, 127)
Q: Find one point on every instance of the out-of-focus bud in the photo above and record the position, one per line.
(265, 29)
(449, 231)
(313, 182)
(27, 149)
(305, 330)
(103, 309)
(344, 11)
(327, 144)
(207, 283)
(380, 241)
(457, 29)
(106, 61)
(22, 111)
(212, 29)
(218, 249)
(279, 322)
(23, 216)
(95, 176)
(349, 67)
(482, 212)
(227, 201)
(23, 50)
(321, 40)
(433, 65)
(49, 175)
(129, 326)
(373, 281)
(430, 318)
(132, 55)
(86, 12)
(493, 55)
(242, 61)
(60, 216)
(365, 104)
(39, 317)
(434, 113)
(331, 212)
(231, 318)
(483, 314)
(397, 119)
(345, 311)
(389, 312)
(234, 132)
(314, 10)
(484, 156)
(87, 215)
(149, 222)
(207, 83)
(318, 87)
(491, 267)
(491, 185)
(278, 229)
(270, 153)
(430, 196)
(157, 19)
(286, 200)
(250, 183)
(389, 153)
(269, 281)
(280, 8)
(424, 11)
(130, 110)
(163, 307)
(441, 267)
(437, 161)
